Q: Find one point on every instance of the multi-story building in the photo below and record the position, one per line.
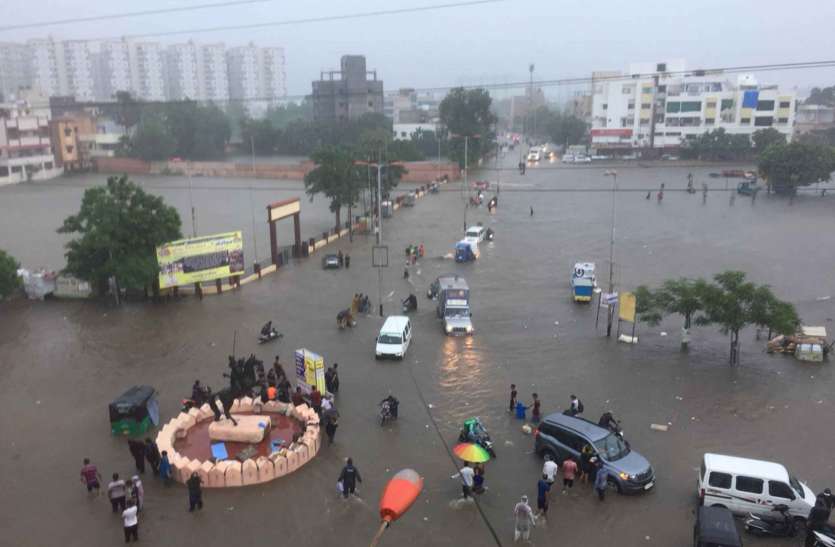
(181, 75)
(213, 74)
(78, 67)
(113, 73)
(15, 68)
(62, 68)
(68, 132)
(812, 118)
(348, 93)
(256, 77)
(25, 146)
(663, 106)
(146, 70)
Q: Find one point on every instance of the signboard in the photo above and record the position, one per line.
(626, 310)
(380, 256)
(199, 259)
(610, 298)
(611, 132)
(310, 371)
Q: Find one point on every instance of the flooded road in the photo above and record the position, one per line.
(64, 361)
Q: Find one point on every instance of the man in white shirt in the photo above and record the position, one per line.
(549, 469)
(466, 474)
(131, 522)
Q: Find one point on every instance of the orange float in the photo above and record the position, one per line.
(399, 494)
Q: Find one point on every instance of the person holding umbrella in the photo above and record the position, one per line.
(471, 453)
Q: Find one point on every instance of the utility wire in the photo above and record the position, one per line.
(802, 65)
(112, 16)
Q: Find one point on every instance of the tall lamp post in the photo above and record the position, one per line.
(610, 308)
(466, 186)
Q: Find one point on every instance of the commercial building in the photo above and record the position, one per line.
(256, 77)
(25, 146)
(348, 93)
(662, 105)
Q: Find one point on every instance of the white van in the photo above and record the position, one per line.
(746, 486)
(475, 233)
(394, 337)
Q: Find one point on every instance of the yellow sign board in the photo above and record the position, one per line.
(199, 259)
(626, 307)
(310, 371)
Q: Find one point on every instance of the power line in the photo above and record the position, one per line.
(800, 65)
(126, 15)
(321, 19)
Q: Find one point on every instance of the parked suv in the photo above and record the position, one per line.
(562, 436)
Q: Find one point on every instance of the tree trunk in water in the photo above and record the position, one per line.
(734, 358)
(338, 210)
(350, 223)
(685, 334)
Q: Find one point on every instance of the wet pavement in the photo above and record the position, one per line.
(64, 361)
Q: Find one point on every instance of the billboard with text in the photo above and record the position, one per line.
(197, 259)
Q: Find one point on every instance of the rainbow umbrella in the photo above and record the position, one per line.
(471, 452)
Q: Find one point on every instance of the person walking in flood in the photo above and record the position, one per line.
(137, 450)
(130, 519)
(523, 515)
(349, 477)
(165, 468)
(117, 491)
(467, 475)
(569, 473)
(531, 210)
(535, 411)
(543, 487)
(195, 492)
(152, 455)
(90, 477)
(512, 406)
(331, 423)
(601, 481)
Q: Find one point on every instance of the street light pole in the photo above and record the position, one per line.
(466, 170)
(611, 289)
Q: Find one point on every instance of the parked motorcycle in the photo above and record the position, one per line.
(824, 538)
(781, 525)
(475, 432)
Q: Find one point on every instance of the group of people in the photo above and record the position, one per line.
(344, 259)
(575, 406)
(360, 303)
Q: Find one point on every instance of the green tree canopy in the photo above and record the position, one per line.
(718, 145)
(117, 231)
(763, 138)
(183, 129)
(788, 166)
(823, 96)
(151, 141)
(9, 281)
(336, 177)
(467, 113)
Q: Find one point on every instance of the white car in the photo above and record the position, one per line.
(582, 159)
(534, 154)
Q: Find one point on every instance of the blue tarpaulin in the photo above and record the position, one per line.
(750, 99)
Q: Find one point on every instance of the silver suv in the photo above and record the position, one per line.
(561, 436)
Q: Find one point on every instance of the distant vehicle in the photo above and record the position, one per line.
(629, 157)
(715, 527)
(562, 436)
(466, 251)
(600, 158)
(568, 158)
(747, 188)
(481, 185)
(331, 262)
(669, 157)
(746, 486)
(434, 288)
(453, 307)
(582, 159)
(475, 233)
(534, 154)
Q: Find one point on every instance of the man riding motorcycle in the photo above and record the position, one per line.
(391, 403)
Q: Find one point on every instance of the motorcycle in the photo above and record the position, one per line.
(779, 526)
(388, 412)
(475, 432)
(345, 319)
(268, 334)
(609, 422)
(409, 303)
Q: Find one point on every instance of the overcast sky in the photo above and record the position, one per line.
(481, 44)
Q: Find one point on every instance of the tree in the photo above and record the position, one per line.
(823, 96)
(260, 132)
(788, 166)
(683, 297)
(9, 281)
(151, 141)
(281, 116)
(734, 303)
(763, 138)
(646, 306)
(336, 177)
(119, 227)
(466, 113)
(717, 145)
(126, 111)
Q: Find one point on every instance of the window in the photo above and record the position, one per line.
(646, 90)
(691, 106)
(745, 121)
(16, 169)
(719, 480)
(710, 104)
(727, 104)
(673, 107)
(67, 132)
(785, 104)
(631, 105)
(403, 134)
(673, 122)
(710, 121)
(370, 104)
(749, 484)
(670, 134)
(780, 490)
(605, 106)
(661, 67)
(47, 165)
(570, 439)
(782, 121)
(627, 90)
(765, 105)
(646, 106)
(662, 88)
(69, 148)
(4, 171)
(691, 122)
(763, 121)
(644, 121)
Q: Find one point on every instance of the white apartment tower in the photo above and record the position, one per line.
(197, 72)
(114, 69)
(15, 68)
(256, 76)
(146, 70)
(62, 68)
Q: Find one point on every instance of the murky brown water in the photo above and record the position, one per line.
(64, 361)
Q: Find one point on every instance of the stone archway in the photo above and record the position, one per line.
(277, 211)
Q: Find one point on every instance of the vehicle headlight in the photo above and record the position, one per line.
(624, 476)
(448, 328)
(469, 328)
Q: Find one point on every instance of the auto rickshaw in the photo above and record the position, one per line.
(134, 412)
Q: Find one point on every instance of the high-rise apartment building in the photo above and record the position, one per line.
(146, 70)
(113, 72)
(256, 77)
(63, 68)
(348, 93)
(15, 68)
(197, 72)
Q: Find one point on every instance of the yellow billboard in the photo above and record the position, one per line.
(199, 259)
(626, 307)
(310, 371)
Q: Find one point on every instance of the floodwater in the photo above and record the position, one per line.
(64, 361)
